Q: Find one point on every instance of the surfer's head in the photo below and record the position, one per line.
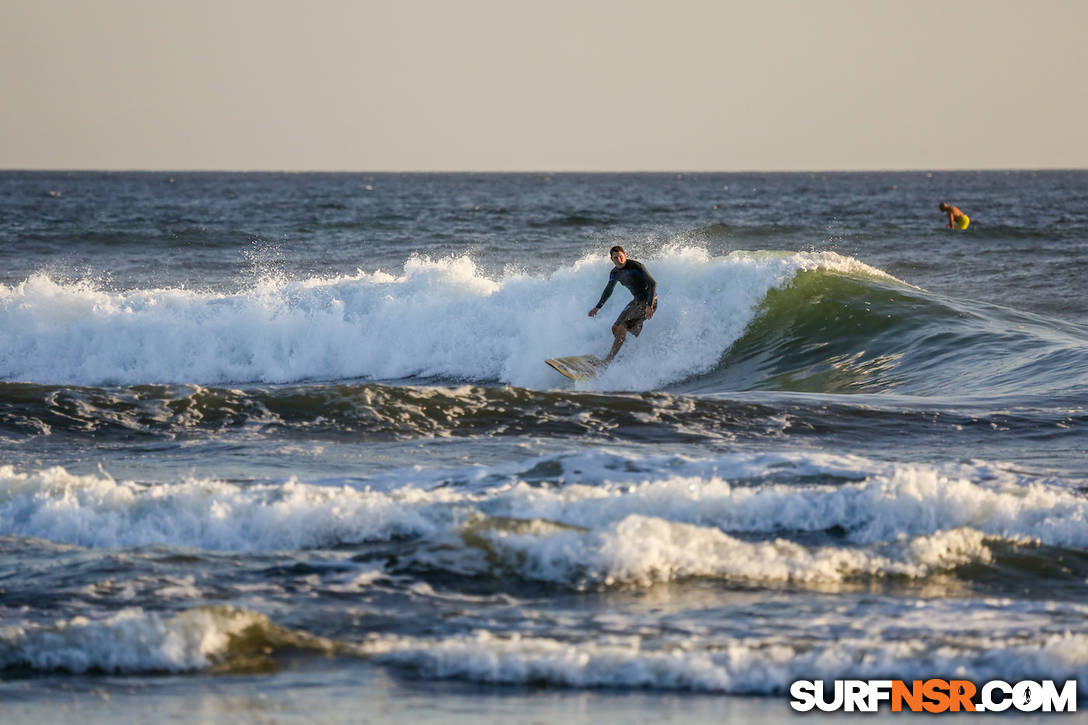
(618, 256)
(943, 206)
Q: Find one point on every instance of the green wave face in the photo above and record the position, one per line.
(832, 333)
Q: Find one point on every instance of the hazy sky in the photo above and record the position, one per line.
(588, 85)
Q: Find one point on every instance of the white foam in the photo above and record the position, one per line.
(736, 666)
(629, 520)
(642, 551)
(436, 318)
(98, 511)
(134, 641)
(748, 492)
(130, 641)
(160, 588)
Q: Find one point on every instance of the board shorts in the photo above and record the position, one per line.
(633, 315)
(962, 221)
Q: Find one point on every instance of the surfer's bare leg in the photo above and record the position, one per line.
(620, 333)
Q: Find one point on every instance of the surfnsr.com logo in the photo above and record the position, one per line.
(933, 696)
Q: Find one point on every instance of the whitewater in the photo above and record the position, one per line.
(433, 319)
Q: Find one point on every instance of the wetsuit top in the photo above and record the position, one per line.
(634, 277)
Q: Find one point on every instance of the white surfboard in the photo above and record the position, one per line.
(578, 367)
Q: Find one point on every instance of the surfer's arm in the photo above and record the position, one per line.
(606, 294)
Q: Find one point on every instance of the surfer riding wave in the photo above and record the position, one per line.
(637, 279)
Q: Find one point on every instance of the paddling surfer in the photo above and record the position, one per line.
(956, 218)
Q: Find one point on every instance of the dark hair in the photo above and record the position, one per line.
(615, 249)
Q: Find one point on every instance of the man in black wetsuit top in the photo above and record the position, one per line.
(634, 277)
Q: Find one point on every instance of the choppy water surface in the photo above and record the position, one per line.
(299, 426)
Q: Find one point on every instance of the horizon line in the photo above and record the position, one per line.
(531, 171)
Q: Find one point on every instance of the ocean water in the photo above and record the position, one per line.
(283, 447)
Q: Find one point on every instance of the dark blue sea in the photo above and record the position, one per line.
(283, 447)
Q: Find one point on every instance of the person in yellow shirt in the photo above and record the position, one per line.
(956, 218)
